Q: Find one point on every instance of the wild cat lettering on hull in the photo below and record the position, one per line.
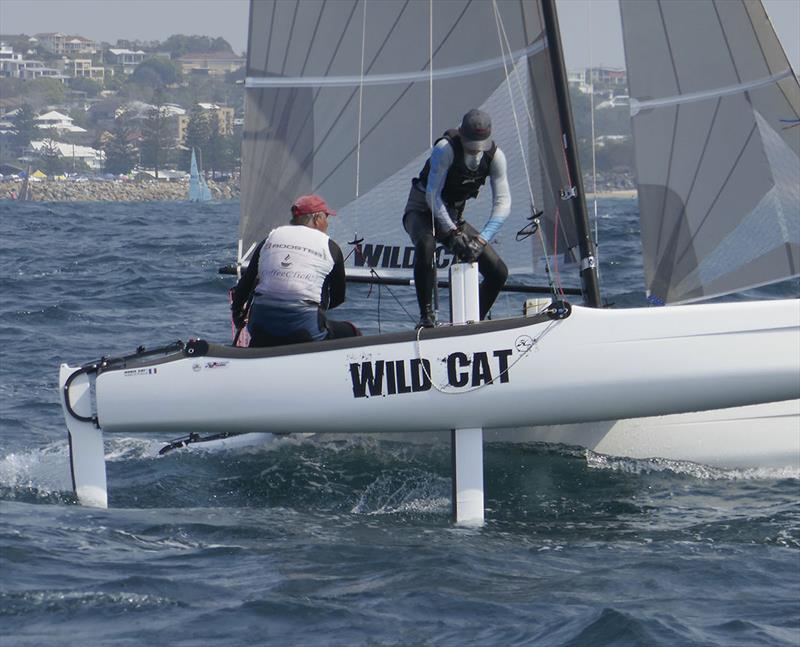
(394, 256)
(396, 377)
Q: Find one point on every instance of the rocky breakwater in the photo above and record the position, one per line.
(113, 190)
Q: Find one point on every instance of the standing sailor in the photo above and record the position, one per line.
(295, 276)
(457, 168)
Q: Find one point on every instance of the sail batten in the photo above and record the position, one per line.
(391, 79)
(637, 106)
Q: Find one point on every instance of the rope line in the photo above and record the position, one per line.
(504, 41)
(461, 391)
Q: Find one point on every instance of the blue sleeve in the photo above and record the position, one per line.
(501, 196)
(441, 161)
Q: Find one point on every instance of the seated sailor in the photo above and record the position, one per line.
(295, 276)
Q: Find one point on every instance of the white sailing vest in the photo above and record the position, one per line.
(293, 264)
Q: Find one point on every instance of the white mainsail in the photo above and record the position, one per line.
(717, 162)
(345, 99)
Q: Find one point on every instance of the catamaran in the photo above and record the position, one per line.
(345, 100)
(198, 189)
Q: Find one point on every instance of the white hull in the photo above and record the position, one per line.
(761, 436)
(758, 436)
(593, 366)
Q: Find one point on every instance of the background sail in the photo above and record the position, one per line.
(306, 92)
(198, 189)
(717, 159)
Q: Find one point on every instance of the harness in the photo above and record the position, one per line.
(461, 182)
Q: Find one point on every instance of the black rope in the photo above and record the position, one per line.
(377, 276)
(531, 228)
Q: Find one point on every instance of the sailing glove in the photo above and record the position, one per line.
(459, 245)
(475, 248)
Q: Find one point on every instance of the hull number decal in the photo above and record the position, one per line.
(135, 372)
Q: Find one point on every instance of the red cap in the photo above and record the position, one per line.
(310, 204)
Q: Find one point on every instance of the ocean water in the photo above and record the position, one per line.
(310, 542)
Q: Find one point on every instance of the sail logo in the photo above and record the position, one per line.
(387, 378)
(394, 256)
(286, 262)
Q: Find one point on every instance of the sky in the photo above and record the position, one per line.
(108, 20)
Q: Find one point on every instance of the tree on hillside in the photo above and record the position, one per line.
(214, 150)
(121, 152)
(89, 86)
(156, 142)
(18, 42)
(156, 72)
(50, 158)
(198, 134)
(49, 91)
(136, 44)
(231, 154)
(26, 128)
(178, 45)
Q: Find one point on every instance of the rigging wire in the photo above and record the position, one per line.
(360, 96)
(435, 304)
(430, 73)
(591, 110)
(460, 391)
(512, 103)
(356, 241)
(505, 45)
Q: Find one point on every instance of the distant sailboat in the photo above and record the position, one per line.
(198, 189)
(25, 190)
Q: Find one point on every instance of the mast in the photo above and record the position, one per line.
(589, 281)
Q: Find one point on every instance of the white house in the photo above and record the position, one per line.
(61, 44)
(16, 67)
(93, 158)
(58, 122)
(126, 58)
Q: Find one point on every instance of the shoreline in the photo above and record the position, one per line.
(627, 194)
(153, 191)
(114, 190)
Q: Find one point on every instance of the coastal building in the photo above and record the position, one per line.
(9, 61)
(139, 112)
(225, 118)
(30, 70)
(601, 78)
(92, 157)
(210, 63)
(577, 79)
(7, 52)
(83, 68)
(125, 58)
(607, 76)
(63, 44)
(58, 122)
(15, 66)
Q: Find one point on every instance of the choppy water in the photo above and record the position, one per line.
(340, 542)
